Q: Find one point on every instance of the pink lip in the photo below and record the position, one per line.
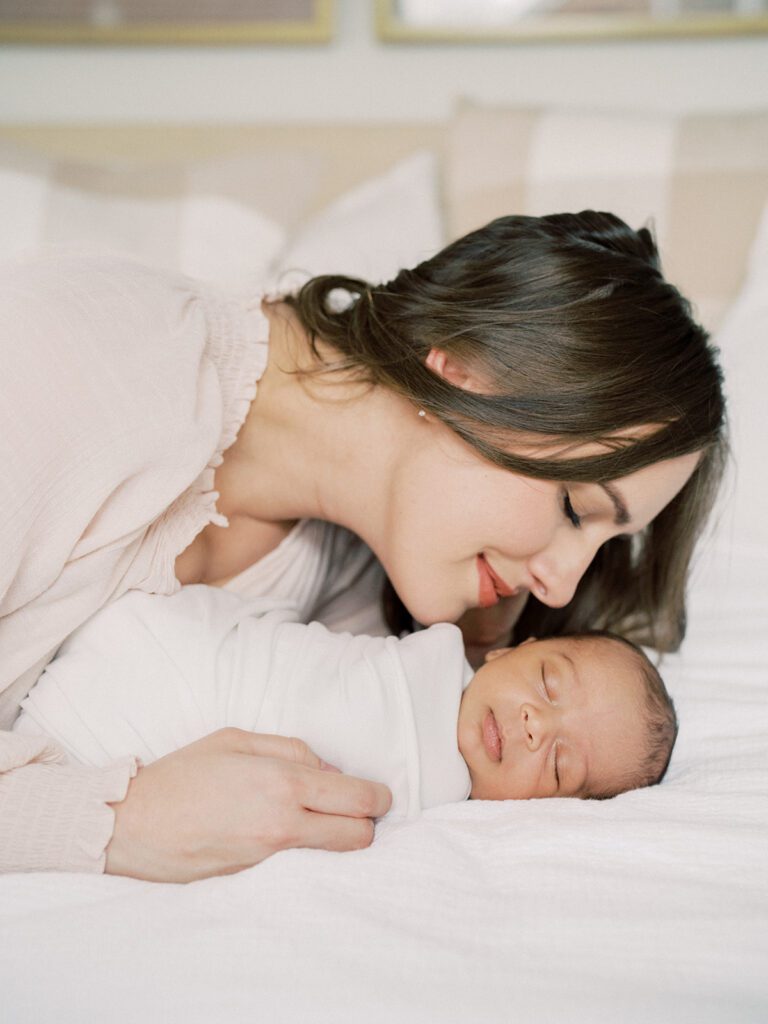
(502, 588)
(492, 586)
(487, 596)
(491, 736)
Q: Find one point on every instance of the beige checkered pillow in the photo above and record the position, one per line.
(229, 204)
(702, 180)
(218, 219)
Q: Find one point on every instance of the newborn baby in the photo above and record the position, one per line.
(583, 716)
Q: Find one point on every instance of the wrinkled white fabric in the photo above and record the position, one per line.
(149, 674)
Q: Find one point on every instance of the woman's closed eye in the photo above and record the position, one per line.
(570, 511)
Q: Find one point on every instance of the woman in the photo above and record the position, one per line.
(531, 418)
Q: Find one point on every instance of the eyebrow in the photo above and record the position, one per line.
(621, 512)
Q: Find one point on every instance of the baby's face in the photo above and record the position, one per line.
(557, 717)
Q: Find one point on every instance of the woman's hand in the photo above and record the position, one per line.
(231, 799)
(485, 629)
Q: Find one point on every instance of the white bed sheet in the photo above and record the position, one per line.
(652, 907)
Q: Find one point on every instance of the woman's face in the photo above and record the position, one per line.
(462, 533)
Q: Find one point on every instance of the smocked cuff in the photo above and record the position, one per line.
(57, 817)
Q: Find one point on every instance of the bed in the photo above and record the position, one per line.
(651, 907)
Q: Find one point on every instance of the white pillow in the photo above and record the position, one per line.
(24, 192)
(191, 217)
(373, 231)
(743, 340)
(227, 243)
(154, 213)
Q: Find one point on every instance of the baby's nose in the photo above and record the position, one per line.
(534, 726)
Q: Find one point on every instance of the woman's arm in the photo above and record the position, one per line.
(92, 509)
(232, 799)
(214, 807)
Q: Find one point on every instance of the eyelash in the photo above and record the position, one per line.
(569, 510)
(549, 698)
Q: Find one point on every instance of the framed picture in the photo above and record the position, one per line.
(166, 21)
(484, 21)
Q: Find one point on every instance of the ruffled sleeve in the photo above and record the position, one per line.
(121, 386)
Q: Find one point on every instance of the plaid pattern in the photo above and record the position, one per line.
(701, 179)
(199, 197)
(220, 203)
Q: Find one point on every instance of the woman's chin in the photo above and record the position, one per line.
(428, 605)
(431, 614)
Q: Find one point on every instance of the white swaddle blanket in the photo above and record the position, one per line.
(149, 674)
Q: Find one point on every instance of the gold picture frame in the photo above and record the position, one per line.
(392, 28)
(311, 21)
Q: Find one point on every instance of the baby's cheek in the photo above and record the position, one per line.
(505, 781)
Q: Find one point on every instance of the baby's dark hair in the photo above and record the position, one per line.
(660, 721)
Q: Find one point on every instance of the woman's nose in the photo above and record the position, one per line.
(535, 725)
(556, 572)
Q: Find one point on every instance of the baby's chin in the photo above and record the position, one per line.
(484, 789)
(479, 792)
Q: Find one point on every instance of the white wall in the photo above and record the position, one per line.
(357, 77)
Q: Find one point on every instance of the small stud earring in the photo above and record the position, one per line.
(422, 412)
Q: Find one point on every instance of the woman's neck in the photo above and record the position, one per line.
(316, 447)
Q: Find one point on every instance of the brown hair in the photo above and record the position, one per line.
(658, 717)
(579, 336)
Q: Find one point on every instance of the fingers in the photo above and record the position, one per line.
(345, 795)
(333, 832)
(323, 791)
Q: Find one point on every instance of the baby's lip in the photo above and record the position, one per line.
(492, 739)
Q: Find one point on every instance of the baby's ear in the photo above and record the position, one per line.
(497, 652)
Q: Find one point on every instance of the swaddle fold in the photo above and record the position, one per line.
(149, 674)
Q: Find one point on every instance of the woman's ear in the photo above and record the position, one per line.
(454, 371)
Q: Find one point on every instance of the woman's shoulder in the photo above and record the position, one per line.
(125, 393)
(60, 268)
(88, 279)
(95, 305)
